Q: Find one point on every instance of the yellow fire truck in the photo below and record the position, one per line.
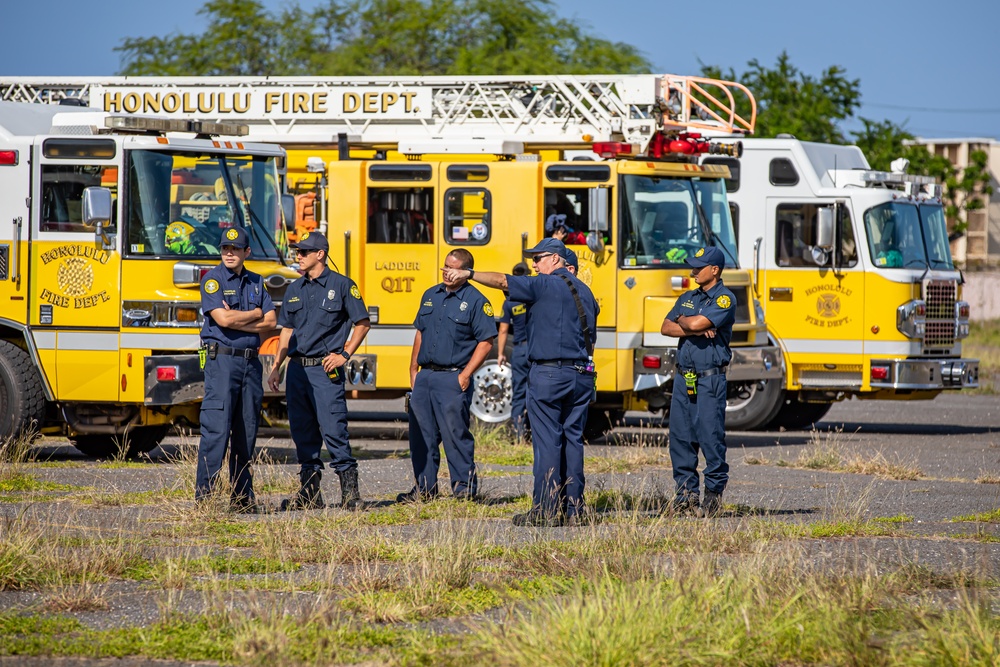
(855, 274)
(110, 222)
(405, 170)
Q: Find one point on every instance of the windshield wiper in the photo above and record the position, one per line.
(257, 228)
(707, 227)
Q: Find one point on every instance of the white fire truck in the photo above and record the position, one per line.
(854, 271)
(405, 169)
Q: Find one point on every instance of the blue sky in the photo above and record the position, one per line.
(932, 66)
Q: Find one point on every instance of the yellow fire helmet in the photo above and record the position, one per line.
(178, 232)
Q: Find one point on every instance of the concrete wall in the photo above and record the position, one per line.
(982, 291)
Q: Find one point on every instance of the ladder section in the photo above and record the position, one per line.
(538, 111)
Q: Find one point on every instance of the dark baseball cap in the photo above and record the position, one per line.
(570, 258)
(312, 241)
(710, 256)
(236, 237)
(555, 246)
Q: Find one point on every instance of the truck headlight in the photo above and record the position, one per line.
(910, 319)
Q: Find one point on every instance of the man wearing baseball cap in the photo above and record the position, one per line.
(702, 321)
(318, 313)
(237, 309)
(562, 330)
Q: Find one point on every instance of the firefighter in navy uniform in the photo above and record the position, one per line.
(512, 323)
(702, 320)
(237, 309)
(455, 330)
(562, 329)
(317, 314)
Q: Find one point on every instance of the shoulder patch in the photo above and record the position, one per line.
(723, 301)
(488, 309)
(355, 292)
(519, 309)
(212, 286)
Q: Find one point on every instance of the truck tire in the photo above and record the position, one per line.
(139, 440)
(794, 414)
(600, 422)
(494, 390)
(22, 402)
(755, 411)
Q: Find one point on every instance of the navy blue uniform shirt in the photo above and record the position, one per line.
(321, 312)
(242, 292)
(451, 324)
(553, 321)
(719, 306)
(515, 314)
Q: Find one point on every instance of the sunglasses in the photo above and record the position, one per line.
(300, 251)
(538, 258)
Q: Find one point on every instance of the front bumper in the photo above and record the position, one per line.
(189, 385)
(928, 374)
(749, 364)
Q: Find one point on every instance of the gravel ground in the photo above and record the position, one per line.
(953, 441)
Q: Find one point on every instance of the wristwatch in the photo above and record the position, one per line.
(345, 354)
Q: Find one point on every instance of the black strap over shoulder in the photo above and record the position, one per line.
(583, 315)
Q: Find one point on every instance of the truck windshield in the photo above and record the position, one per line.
(666, 220)
(179, 204)
(895, 236)
(936, 236)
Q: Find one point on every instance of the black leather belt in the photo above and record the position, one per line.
(561, 362)
(718, 370)
(435, 367)
(306, 362)
(246, 353)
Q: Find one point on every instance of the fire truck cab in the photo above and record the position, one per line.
(854, 271)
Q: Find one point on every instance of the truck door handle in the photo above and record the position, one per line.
(780, 294)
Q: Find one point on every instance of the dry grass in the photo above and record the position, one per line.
(827, 450)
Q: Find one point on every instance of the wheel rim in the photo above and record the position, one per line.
(491, 398)
(734, 405)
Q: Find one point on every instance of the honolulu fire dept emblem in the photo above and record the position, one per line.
(828, 305)
(75, 276)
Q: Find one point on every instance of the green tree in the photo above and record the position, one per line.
(241, 39)
(381, 38)
(790, 101)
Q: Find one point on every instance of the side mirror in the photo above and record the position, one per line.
(96, 212)
(288, 210)
(597, 206)
(824, 228)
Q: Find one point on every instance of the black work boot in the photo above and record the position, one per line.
(711, 505)
(350, 496)
(685, 503)
(309, 496)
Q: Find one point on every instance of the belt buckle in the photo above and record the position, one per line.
(248, 353)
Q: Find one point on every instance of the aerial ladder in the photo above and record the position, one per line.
(408, 168)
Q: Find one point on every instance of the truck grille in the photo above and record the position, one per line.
(939, 297)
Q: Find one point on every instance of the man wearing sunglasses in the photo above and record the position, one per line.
(702, 319)
(562, 329)
(317, 314)
(237, 309)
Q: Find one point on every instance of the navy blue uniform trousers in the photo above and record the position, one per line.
(695, 421)
(519, 368)
(317, 414)
(558, 398)
(230, 412)
(439, 413)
